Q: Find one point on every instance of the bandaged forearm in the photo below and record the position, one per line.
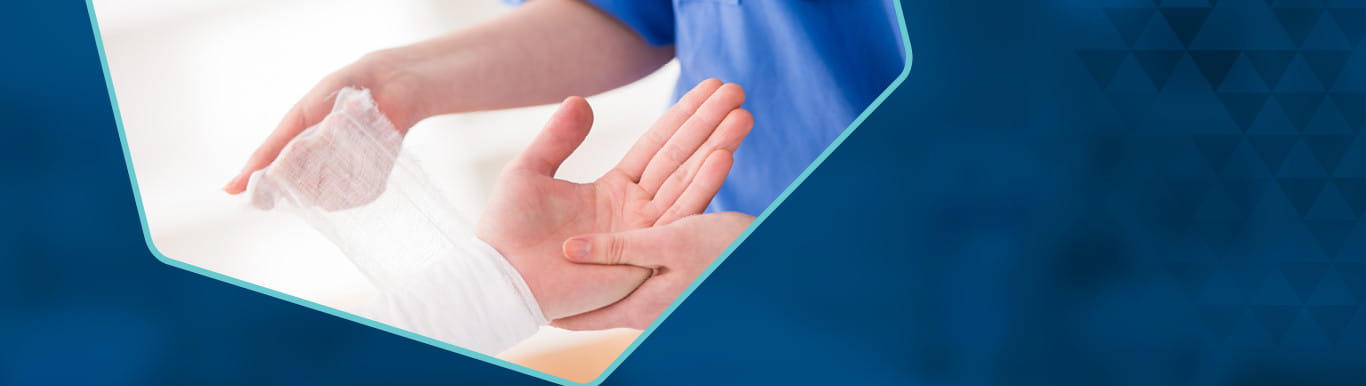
(348, 179)
(471, 298)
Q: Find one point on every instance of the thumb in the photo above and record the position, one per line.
(563, 134)
(640, 247)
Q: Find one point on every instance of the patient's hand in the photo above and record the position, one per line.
(672, 172)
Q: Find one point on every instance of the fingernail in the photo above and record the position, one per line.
(231, 182)
(577, 249)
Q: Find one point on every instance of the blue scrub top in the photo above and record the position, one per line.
(809, 68)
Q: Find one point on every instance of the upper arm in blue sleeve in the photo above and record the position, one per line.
(652, 19)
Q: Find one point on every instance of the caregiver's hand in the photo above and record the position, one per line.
(394, 91)
(672, 172)
(677, 253)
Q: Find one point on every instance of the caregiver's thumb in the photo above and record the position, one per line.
(641, 247)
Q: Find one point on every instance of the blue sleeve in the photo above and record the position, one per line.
(652, 19)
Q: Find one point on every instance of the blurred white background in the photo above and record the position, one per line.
(200, 84)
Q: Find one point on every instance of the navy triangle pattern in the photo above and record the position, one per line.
(1327, 120)
(1300, 107)
(1304, 276)
(1275, 319)
(1353, 108)
(1333, 319)
(1270, 64)
(1288, 75)
(1273, 148)
(1130, 22)
(1327, 65)
(1186, 22)
(1216, 149)
(1329, 206)
(1215, 64)
(1330, 234)
(1102, 64)
(1325, 36)
(1301, 163)
(1328, 148)
(1354, 192)
(1243, 107)
(1158, 64)
(1353, 274)
(1243, 77)
(1302, 191)
(1352, 23)
(1298, 77)
(1298, 22)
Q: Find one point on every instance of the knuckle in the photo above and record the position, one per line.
(616, 248)
(299, 116)
(673, 154)
(658, 137)
(667, 217)
(683, 175)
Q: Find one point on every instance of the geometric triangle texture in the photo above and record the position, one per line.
(1287, 80)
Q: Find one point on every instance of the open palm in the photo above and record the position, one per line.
(670, 173)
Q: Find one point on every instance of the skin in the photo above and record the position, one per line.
(677, 252)
(670, 173)
(529, 56)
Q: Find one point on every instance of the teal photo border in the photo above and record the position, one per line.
(137, 195)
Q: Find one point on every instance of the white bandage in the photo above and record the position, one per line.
(486, 312)
(347, 177)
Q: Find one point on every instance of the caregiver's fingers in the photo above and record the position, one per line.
(637, 311)
(633, 164)
(646, 247)
(307, 112)
(727, 138)
(565, 131)
(679, 253)
(691, 136)
(698, 193)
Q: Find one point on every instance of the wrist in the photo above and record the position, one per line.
(511, 275)
(529, 274)
(397, 87)
(562, 288)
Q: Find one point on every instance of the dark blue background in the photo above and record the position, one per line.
(1063, 192)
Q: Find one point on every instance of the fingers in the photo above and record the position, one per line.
(663, 129)
(621, 248)
(694, 199)
(564, 132)
(679, 253)
(637, 311)
(309, 111)
(295, 121)
(691, 136)
(728, 136)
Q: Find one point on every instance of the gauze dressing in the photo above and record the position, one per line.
(348, 178)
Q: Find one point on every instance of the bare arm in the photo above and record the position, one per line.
(538, 53)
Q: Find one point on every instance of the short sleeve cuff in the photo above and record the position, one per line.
(652, 19)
